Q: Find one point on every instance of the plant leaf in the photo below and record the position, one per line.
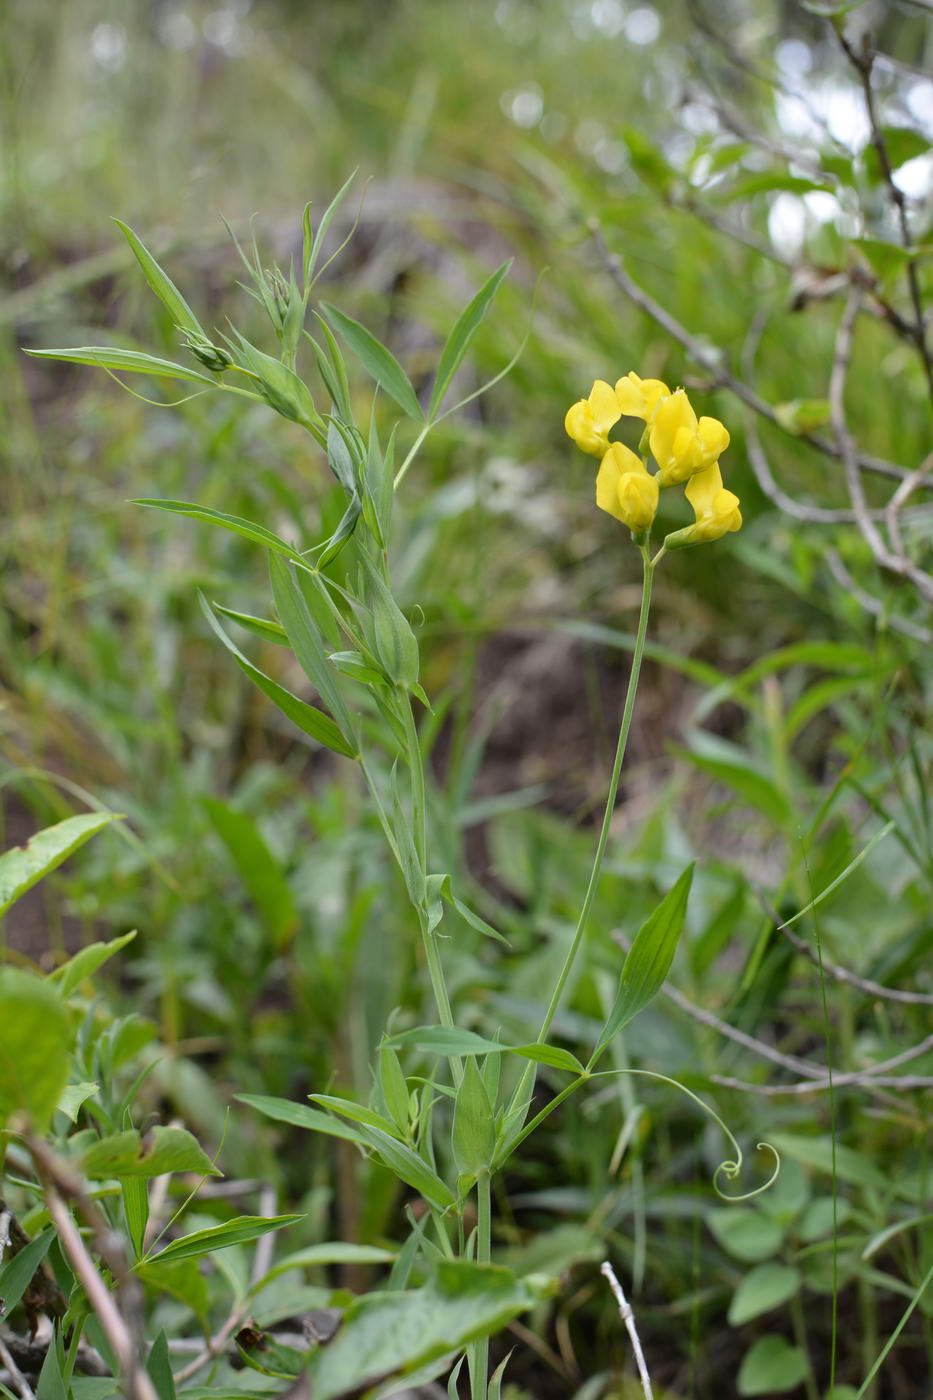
(241, 1230)
(649, 959)
(163, 286)
(462, 332)
(24, 866)
(235, 523)
(125, 361)
(378, 361)
(35, 1040)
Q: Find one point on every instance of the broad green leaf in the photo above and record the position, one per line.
(817, 1153)
(802, 415)
(164, 1149)
(771, 1367)
(552, 1055)
(888, 260)
(241, 1230)
(312, 722)
(73, 1096)
(17, 1274)
(235, 523)
(761, 1290)
(257, 868)
(163, 286)
(648, 960)
(24, 866)
(901, 143)
(463, 331)
(124, 361)
(393, 1334)
(35, 1041)
(182, 1280)
(745, 1233)
(281, 387)
(299, 1115)
(259, 626)
(473, 1135)
(85, 963)
(378, 361)
(771, 180)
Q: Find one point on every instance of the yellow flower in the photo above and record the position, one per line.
(638, 398)
(625, 489)
(716, 510)
(682, 445)
(588, 421)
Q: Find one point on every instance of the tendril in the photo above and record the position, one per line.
(731, 1167)
(155, 403)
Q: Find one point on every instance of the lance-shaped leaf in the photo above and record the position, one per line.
(378, 361)
(306, 640)
(24, 866)
(313, 722)
(463, 331)
(648, 961)
(241, 1230)
(234, 523)
(124, 361)
(163, 286)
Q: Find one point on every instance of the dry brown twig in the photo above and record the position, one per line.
(15, 1374)
(628, 1317)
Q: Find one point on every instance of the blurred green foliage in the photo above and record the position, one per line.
(781, 724)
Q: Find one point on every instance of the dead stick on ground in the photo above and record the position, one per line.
(628, 1317)
(16, 1375)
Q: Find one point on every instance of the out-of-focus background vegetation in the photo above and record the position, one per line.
(725, 151)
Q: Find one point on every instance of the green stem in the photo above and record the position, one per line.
(419, 836)
(522, 1095)
(479, 1351)
(400, 474)
(627, 713)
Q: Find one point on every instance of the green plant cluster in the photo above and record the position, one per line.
(333, 1118)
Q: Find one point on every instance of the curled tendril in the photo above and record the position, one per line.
(731, 1167)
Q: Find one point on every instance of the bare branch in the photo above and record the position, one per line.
(863, 63)
(842, 974)
(863, 1080)
(874, 605)
(16, 1375)
(893, 563)
(628, 1317)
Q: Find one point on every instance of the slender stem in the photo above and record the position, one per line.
(419, 836)
(400, 474)
(603, 841)
(521, 1098)
(479, 1351)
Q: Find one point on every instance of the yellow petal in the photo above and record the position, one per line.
(638, 500)
(673, 437)
(713, 438)
(604, 406)
(637, 397)
(702, 489)
(608, 482)
(579, 425)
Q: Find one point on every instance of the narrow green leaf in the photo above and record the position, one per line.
(124, 361)
(24, 866)
(314, 242)
(258, 869)
(441, 1040)
(235, 523)
(463, 331)
(243, 1229)
(551, 1055)
(85, 963)
(378, 361)
(473, 1135)
(311, 721)
(356, 1112)
(159, 1368)
(135, 1193)
(834, 884)
(17, 1274)
(259, 626)
(307, 641)
(163, 286)
(318, 1255)
(649, 959)
(299, 1115)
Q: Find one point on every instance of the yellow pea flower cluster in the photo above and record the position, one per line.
(686, 449)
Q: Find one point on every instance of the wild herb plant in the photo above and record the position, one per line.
(448, 1125)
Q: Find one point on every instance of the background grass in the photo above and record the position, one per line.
(778, 727)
